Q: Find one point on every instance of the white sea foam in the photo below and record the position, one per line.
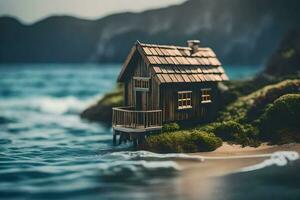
(134, 155)
(280, 158)
(51, 105)
(61, 105)
(144, 164)
(137, 170)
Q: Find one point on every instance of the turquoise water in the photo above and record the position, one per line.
(236, 72)
(48, 152)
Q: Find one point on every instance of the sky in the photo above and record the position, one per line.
(30, 11)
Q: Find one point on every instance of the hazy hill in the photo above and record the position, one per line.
(286, 60)
(241, 32)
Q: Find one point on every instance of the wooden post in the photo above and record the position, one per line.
(135, 142)
(114, 138)
(141, 138)
(121, 138)
(126, 138)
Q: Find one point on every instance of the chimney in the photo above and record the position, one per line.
(194, 45)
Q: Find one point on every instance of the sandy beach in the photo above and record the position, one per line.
(219, 166)
(202, 178)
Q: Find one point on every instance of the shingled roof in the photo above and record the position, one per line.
(179, 64)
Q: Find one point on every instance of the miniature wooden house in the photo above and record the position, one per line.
(164, 83)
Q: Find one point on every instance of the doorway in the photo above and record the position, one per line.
(140, 100)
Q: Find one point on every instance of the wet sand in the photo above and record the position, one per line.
(203, 178)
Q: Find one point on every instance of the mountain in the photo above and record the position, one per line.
(240, 31)
(286, 60)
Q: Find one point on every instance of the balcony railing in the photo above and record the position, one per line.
(127, 117)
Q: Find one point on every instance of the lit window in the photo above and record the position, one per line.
(206, 95)
(184, 99)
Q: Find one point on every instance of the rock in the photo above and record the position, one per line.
(102, 110)
(98, 113)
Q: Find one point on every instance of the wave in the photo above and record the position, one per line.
(59, 105)
(137, 170)
(48, 104)
(280, 158)
(6, 120)
(133, 155)
(147, 155)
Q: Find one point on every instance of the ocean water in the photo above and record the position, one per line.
(48, 152)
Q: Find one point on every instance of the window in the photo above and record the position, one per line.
(206, 95)
(141, 83)
(184, 100)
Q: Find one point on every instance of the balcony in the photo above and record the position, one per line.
(126, 119)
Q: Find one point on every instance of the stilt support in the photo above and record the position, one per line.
(135, 142)
(114, 138)
(137, 138)
(121, 138)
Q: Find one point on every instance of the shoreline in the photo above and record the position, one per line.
(205, 178)
(222, 161)
(235, 149)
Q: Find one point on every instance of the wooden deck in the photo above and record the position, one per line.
(134, 125)
(125, 119)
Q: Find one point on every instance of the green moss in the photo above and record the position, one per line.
(248, 108)
(170, 127)
(102, 110)
(114, 98)
(238, 122)
(205, 141)
(234, 132)
(238, 88)
(280, 121)
(229, 130)
(209, 127)
(182, 141)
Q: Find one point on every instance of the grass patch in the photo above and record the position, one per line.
(102, 110)
(248, 108)
(245, 121)
(170, 127)
(280, 121)
(182, 141)
(114, 98)
(242, 122)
